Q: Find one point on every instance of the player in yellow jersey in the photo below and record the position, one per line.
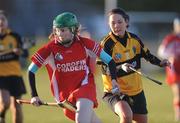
(11, 82)
(127, 50)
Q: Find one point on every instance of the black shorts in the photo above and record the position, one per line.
(14, 84)
(138, 104)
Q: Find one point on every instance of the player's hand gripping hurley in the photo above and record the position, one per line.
(64, 104)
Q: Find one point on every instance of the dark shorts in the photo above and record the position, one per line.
(137, 103)
(14, 84)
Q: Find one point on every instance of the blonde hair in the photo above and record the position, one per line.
(176, 25)
(2, 16)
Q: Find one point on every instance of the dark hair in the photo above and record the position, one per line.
(121, 12)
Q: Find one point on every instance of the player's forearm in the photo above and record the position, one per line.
(32, 69)
(152, 59)
(106, 58)
(32, 82)
(25, 53)
(112, 69)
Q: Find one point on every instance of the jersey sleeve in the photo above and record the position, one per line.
(40, 56)
(167, 40)
(146, 54)
(18, 38)
(170, 46)
(92, 46)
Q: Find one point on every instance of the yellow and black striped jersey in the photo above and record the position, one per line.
(9, 61)
(128, 49)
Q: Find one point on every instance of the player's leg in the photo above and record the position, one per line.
(17, 88)
(16, 111)
(176, 99)
(4, 104)
(84, 110)
(139, 108)
(94, 118)
(140, 118)
(121, 108)
(124, 111)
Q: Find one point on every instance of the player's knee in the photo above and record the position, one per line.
(81, 119)
(176, 103)
(4, 105)
(4, 99)
(124, 113)
(95, 119)
(126, 118)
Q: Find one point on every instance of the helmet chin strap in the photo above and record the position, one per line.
(65, 42)
(68, 42)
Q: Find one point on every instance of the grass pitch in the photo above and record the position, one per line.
(159, 101)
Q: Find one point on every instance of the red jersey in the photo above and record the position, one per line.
(68, 67)
(172, 44)
(172, 47)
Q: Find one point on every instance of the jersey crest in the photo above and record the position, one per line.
(117, 56)
(58, 56)
(134, 49)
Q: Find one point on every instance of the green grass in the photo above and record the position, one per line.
(159, 100)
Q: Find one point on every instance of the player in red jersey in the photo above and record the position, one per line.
(170, 48)
(67, 62)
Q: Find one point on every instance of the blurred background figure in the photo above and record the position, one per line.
(170, 49)
(11, 82)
